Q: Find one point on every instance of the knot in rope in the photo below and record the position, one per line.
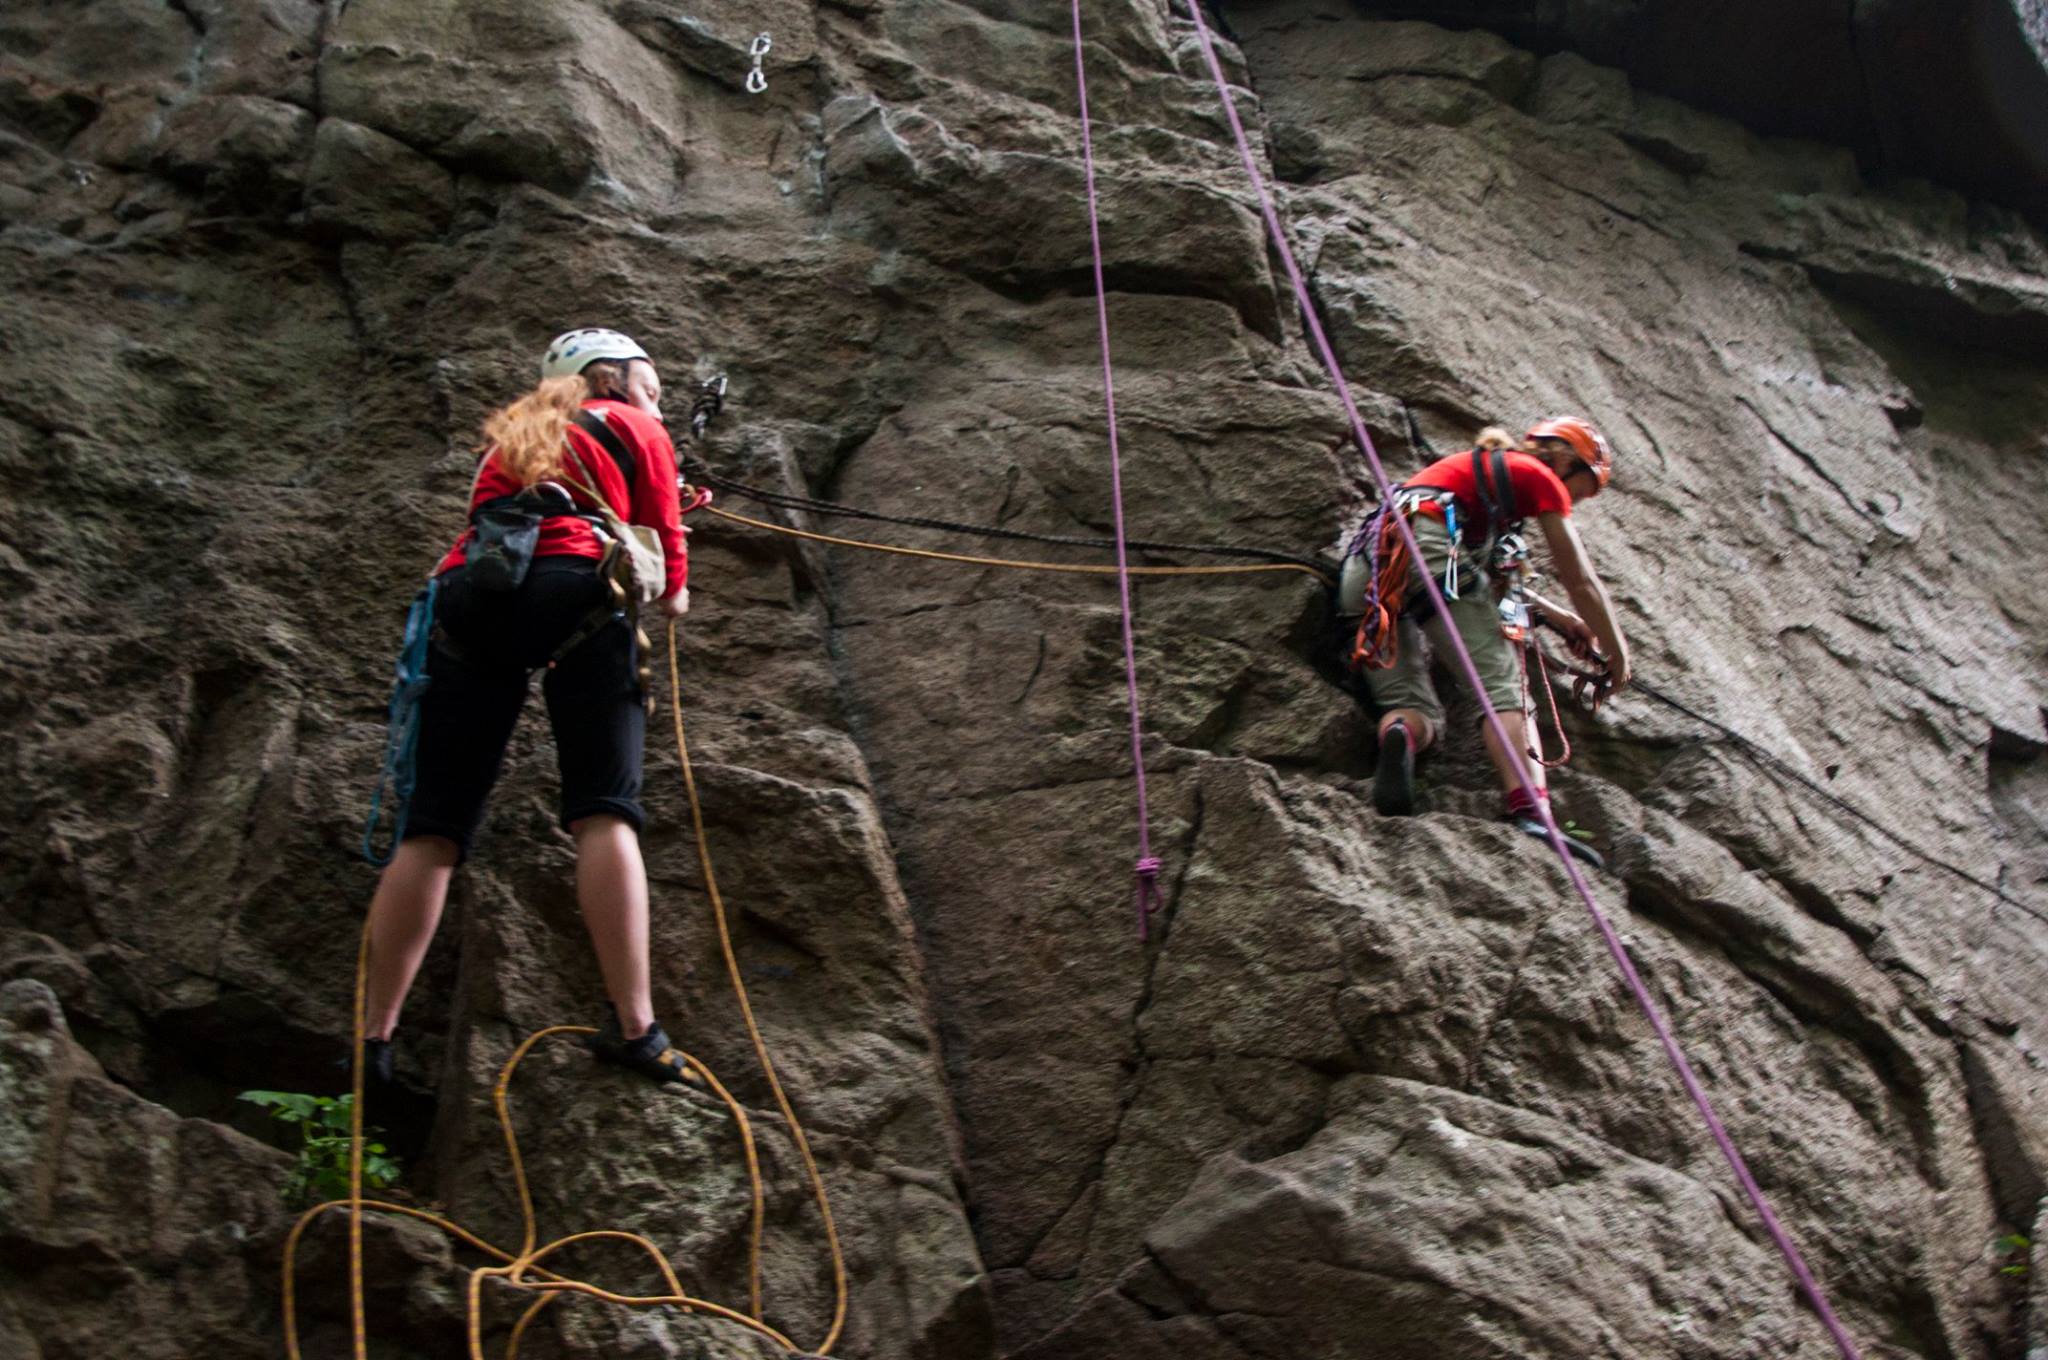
(1147, 898)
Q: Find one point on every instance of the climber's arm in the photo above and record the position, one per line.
(1575, 572)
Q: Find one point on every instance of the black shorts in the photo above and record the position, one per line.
(487, 645)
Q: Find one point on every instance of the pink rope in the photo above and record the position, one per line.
(1146, 897)
(1807, 1284)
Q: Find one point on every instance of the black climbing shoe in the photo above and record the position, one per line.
(651, 1055)
(380, 1086)
(377, 1074)
(1393, 782)
(1581, 851)
(376, 1064)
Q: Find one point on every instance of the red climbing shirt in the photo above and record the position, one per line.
(652, 498)
(1537, 489)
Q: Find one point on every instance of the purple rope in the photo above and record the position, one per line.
(1807, 1284)
(1146, 897)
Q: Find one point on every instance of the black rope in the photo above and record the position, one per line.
(1773, 765)
(784, 500)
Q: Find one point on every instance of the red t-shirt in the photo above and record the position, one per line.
(1537, 489)
(653, 498)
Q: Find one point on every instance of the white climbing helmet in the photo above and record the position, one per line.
(571, 351)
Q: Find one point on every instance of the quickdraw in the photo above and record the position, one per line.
(1590, 687)
(1591, 684)
(709, 402)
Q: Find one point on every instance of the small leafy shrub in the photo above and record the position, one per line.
(322, 1170)
(2013, 1250)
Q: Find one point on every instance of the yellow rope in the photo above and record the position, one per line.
(526, 1319)
(739, 1118)
(517, 1265)
(359, 1329)
(1078, 568)
(732, 969)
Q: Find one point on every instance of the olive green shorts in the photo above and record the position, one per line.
(1405, 684)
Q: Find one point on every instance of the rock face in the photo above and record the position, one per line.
(1373, 1088)
(125, 1228)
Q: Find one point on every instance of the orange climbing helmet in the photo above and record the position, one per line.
(1580, 434)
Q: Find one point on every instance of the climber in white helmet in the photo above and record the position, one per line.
(531, 585)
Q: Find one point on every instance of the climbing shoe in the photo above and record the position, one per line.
(1393, 781)
(377, 1060)
(651, 1055)
(376, 1064)
(1582, 852)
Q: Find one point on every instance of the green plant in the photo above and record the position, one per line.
(2013, 1250)
(1575, 831)
(322, 1169)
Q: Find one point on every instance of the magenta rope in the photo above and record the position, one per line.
(1807, 1284)
(1146, 894)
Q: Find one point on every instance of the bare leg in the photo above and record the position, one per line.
(1420, 730)
(1517, 727)
(611, 887)
(403, 915)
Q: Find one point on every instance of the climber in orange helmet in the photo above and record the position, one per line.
(1465, 511)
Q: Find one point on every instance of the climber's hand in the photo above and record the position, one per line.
(1578, 635)
(1617, 673)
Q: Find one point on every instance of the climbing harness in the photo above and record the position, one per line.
(507, 531)
(1376, 641)
(523, 1269)
(1492, 538)
(1320, 340)
(757, 79)
(400, 767)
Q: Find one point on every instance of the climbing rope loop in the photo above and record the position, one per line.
(1320, 341)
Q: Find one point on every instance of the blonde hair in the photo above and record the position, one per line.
(528, 436)
(1494, 437)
